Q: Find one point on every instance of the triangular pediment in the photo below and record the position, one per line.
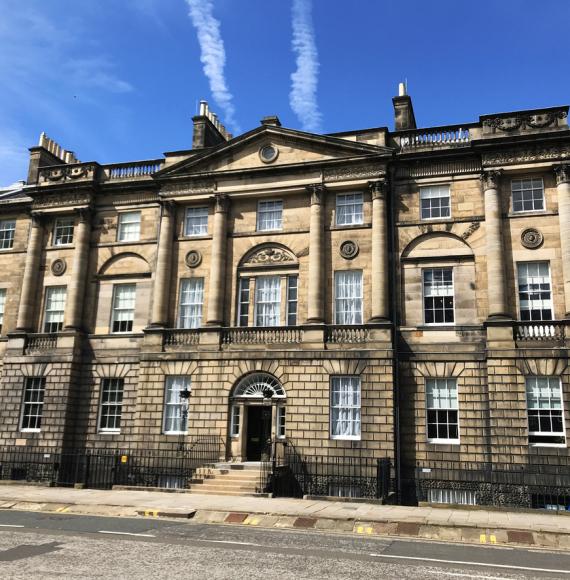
(249, 152)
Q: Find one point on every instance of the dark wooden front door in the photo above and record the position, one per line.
(258, 431)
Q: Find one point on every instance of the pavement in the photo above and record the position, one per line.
(474, 526)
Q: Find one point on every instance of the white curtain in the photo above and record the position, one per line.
(348, 297)
(267, 301)
(191, 300)
(345, 407)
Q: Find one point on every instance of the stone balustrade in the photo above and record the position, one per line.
(549, 330)
(181, 337)
(262, 336)
(346, 334)
(40, 343)
(118, 171)
(434, 138)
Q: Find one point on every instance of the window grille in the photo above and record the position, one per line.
(129, 226)
(345, 407)
(435, 202)
(33, 403)
(545, 410)
(175, 406)
(527, 194)
(7, 231)
(269, 216)
(442, 410)
(349, 209)
(63, 231)
(191, 301)
(111, 405)
(535, 297)
(196, 223)
(123, 307)
(54, 308)
(268, 301)
(438, 296)
(348, 297)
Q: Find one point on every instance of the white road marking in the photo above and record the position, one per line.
(235, 543)
(470, 575)
(11, 526)
(127, 534)
(463, 563)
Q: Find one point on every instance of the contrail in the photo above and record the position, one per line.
(213, 56)
(303, 95)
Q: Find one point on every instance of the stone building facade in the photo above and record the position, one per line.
(371, 294)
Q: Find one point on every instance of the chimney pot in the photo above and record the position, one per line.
(272, 120)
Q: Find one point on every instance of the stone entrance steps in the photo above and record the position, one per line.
(240, 479)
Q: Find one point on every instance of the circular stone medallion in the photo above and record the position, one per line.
(58, 267)
(193, 258)
(349, 249)
(531, 238)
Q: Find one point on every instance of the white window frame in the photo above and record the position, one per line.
(270, 215)
(116, 310)
(37, 384)
(176, 384)
(61, 231)
(54, 315)
(123, 221)
(424, 296)
(520, 266)
(281, 422)
(447, 409)
(259, 304)
(431, 192)
(292, 306)
(550, 408)
(7, 241)
(355, 410)
(354, 205)
(103, 405)
(531, 189)
(200, 228)
(194, 294)
(2, 307)
(340, 315)
(235, 420)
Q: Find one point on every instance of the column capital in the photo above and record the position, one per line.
(168, 206)
(38, 218)
(562, 173)
(491, 179)
(378, 189)
(84, 214)
(317, 193)
(221, 203)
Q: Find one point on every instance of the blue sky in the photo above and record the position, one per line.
(119, 80)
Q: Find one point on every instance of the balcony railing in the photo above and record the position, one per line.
(435, 138)
(346, 334)
(263, 335)
(135, 169)
(37, 343)
(549, 330)
(182, 337)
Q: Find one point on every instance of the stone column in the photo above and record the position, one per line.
(218, 261)
(76, 287)
(563, 190)
(163, 273)
(316, 314)
(379, 252)
(496, 279)
(28, 297)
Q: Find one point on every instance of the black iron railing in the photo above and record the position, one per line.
(105, 468)
(289, 474)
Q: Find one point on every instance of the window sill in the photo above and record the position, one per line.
(109, 432)
(173, 433)
(30, 430)
(344, 438)
(558, 445)
(436, 219)
(195, 237)
(530, 213)
(444, 441)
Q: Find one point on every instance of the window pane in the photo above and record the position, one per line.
(2, 305)
(111, 404)
(345, 407)
(527, 194)
(54, 308)
(176, 405)
(348, 297)
(63, 232)
(191, 300)
(33, 403)
(129, 226)
(435, 202)
(349, 209)
(535, 298)
(7, 230)
(267, 300)
(269, 215)
(292, 282)
(438, 296)
(442, 409)
(123, 307)
(544, 404)
(196, 221)
(243, 302)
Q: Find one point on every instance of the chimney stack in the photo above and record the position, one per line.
(404, 117)
(47, 153)
(208, 130)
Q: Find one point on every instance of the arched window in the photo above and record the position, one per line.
(268, 287)
(259, 386)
